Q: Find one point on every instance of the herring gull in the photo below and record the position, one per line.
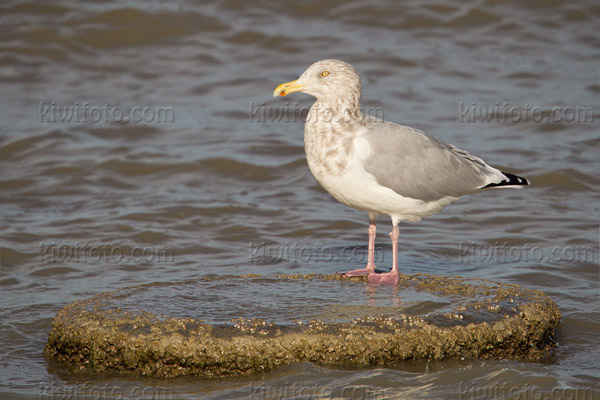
(381, 167)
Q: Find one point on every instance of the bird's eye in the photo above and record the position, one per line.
(325, 73)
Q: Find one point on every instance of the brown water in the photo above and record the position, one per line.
(209, 184)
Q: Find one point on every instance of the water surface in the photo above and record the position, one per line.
(91, 206)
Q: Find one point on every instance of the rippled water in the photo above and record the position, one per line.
(218, 187)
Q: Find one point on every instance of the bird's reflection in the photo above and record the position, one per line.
(373, 293)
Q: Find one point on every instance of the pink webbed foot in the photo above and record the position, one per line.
(359, 272)
(387, 278)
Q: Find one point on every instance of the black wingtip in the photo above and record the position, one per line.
(511, 180)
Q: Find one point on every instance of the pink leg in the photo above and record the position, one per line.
(370, 255)
(389, 278)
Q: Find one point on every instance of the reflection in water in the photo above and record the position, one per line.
(371, 291)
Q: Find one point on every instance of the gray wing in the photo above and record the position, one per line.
(422, 167)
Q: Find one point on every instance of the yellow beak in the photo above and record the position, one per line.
(287, 88)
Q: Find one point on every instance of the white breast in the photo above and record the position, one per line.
(350, 184)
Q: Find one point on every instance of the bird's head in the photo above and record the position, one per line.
(327, 80)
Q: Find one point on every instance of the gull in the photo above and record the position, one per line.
(378, 166)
